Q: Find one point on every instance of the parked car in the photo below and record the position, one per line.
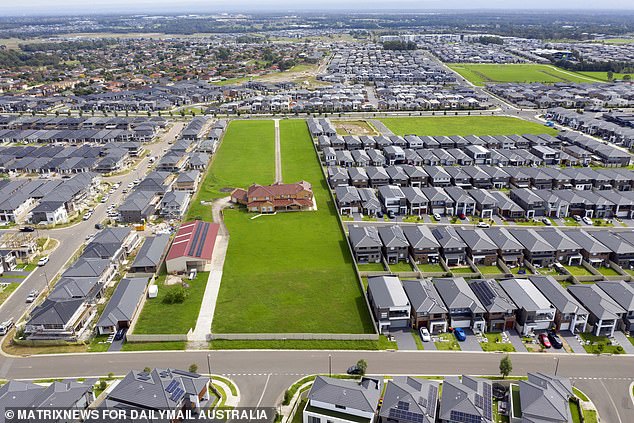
(555, 340)
(87, 216)
(42, 261)
(543, 339)
(379, 214)
(32, 296)
(462, 216)
(6, 326)
(391, 214)
(425, 335)
(27, 229)
(483, 225)
(546, 221)
(436, 216)
(587, 220)
(577, 218)
(98, 226)
(120, 334)
(460, 334)
(354, 370)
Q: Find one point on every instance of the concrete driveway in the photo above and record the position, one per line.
(624, 342)
(471, 343)
(516, 340)
(573, 342)
(404, 340)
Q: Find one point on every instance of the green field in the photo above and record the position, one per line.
(158, 317)
(464, 125)
(283, 271)
(246, 145)
(482, 74)
(603, 76)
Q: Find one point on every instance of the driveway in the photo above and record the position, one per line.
(516, 340)
(116, 345)
(404, 340)
(573, 342)
(471, 343)
(624, 342)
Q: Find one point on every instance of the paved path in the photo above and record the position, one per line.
(404, 340)
(208, 306)
(516, 340)
(624, 342)
(380, 126)
(278, 152)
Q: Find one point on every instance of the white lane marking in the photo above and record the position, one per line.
(264, 390)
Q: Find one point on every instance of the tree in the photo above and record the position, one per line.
(627, 77)
(506, 367)
(362, 365)
(147, 369)
(175, 295)
(193, 368)
(610, 75)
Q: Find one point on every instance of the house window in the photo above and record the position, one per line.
(313, 419)
(341, 407)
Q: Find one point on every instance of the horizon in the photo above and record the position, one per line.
(121, 7)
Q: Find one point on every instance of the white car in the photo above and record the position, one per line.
(587, 220)
(546, 221)
(436, 216)
(87, 216)
(483, 225)
(424, 335)
(42, 261)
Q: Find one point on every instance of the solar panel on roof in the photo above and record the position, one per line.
(432, 400)
(402, 405)
(402, 415)
(170, 388)
(201, 242)
(177, 394)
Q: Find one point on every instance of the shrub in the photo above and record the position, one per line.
(175, 295)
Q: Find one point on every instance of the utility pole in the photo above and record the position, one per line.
(556, 365)
(330, 365)
(209, 366)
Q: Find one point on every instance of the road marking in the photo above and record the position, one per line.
(264, 390)
(611, 400)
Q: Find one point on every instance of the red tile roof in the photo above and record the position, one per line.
(194, 239)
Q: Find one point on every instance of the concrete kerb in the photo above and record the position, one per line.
(289, 411)
(230, 399)
(631, 389)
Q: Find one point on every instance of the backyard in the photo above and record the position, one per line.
(246, 145)
(483, 73)
(282, 271)
(464, 125)
(159, 317)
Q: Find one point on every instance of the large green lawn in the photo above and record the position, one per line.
(483, 73)
(158, 317)
(291, 272)
(246, 156)
(603, 76)
(464, 125)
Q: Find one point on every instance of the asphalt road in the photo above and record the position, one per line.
(262, 376)
(71, 238)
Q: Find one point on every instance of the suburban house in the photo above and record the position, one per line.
(439, 201)
(395, 244)
(138, 206)
(276, 197)
(623, 293)
(568, 251)
(393, 199)
(366, 244)
(389, 303)
(452, 247)
(415, 200)
(466, 399)
(122, 306)
(465, 310)
(570, 314)
(65, 394)
(510, 250)
(187, 181)
(544, 398)
(484, 203)
(505, 207)
(537, 250)
(480, 248)
(151, 254)
(605, 312)
(165, 389)
(428, 309)
(621, 251)
(174, 204)
(342, 400)
(592, 250)
(408, 400)
(423, 246)
(534, 311)
(193, 247)
(58, 319)
(500, 309)
(50, 212)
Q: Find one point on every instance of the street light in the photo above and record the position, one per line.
(330, 365)
(556, 365)
(209, 366)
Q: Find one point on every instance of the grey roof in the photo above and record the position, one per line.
(55, 312)
(503, 239)
(71, 287)
(615, 243)
(476, 239)
(456, 293)
(364, 236)
(563, 301)
(544, 398)
(86, 267)
(424, 297)
(387, 291)
(620, 291)
(357, 395)
(61, 394)
(447, 237)
(588, 243)
(558, 239)
(492, 296)
(152, 251)
(393, 236)
(147, 390)
(414, 392)
(531, 240)
(124, 302)
(460, 395)
(597, 301)
(420, 236)
(525, 294)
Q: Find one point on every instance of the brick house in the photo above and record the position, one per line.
(276, 197)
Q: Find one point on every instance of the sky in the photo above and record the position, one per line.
(60, 7)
